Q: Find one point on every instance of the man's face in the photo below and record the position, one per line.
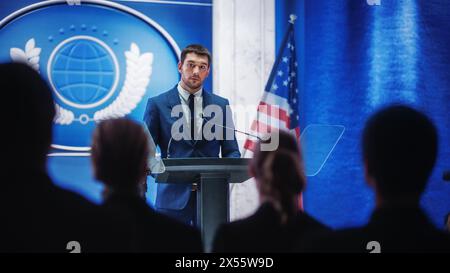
(194, 71)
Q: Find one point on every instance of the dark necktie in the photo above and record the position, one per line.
(191, 108)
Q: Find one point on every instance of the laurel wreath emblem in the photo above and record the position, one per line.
(30, 56)
(138, 73)
(139, 70)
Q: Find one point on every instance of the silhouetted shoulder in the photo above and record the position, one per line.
(263, 232)
(184, 238)
(154, 232)
(219, 99)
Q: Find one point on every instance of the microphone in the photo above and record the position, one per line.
(219, 125)
(446, 176)
(168, 147)
(229, 128)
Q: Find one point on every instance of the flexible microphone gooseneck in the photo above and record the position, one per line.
(168, 147)
(219, 125)
(229, 128)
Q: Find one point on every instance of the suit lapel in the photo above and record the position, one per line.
(173, 97)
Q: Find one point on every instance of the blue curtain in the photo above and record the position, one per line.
(354, 59)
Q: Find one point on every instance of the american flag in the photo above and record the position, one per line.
(278, 108)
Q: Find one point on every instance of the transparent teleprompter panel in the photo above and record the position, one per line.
(155, 163)
(318, 142)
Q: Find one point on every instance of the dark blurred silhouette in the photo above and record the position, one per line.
(278, 225)
(399, 150)
(447, 222)
(36, 215)
(120, 152)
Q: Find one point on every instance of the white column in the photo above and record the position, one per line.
(243, 55)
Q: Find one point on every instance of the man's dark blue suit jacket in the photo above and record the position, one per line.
(159, 122)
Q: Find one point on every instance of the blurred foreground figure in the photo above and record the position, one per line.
(278, 225)
(399, 152)
(36, 215)
(120, 152)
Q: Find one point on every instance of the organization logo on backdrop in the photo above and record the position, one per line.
(83, 72)
(97, 57)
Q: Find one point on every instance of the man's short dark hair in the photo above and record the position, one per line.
(400, 148)
(197, 49)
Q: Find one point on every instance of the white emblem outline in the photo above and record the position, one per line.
(29, 56)
(138, 72)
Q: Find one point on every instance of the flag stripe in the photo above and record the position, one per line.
(261, 127)
(273, 121)
(249, 145)
(274, 111)
(276, 100)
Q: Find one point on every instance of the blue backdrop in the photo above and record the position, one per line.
(355, 58)
(185, 21)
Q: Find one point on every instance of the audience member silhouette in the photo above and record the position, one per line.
(36, 215)
(399, 150)
(278, 223)
(120, 152)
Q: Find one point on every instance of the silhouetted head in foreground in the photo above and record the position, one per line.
(279, 173)
(28, 114)
(399, 150)
(120, 152)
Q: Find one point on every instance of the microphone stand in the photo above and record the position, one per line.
(229, 128)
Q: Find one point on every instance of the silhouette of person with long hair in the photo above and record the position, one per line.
(278, 224)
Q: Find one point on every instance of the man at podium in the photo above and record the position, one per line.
(187, 104)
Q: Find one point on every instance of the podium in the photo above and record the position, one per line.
(213, 176)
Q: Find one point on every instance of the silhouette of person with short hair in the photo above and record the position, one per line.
(36, 215)
(120, 152)
(399, 150)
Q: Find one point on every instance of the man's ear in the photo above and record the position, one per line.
(180, 65)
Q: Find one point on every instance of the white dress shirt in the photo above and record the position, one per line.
(198, 107)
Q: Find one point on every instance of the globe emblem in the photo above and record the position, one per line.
(83, 72)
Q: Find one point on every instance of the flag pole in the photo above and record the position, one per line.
(292, 18)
